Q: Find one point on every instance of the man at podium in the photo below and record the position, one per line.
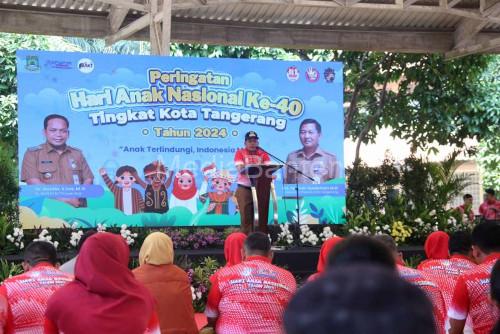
(249, 155)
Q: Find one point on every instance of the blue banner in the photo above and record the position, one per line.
(151, 141)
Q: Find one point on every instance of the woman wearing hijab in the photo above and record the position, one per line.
(168, 284)
(324, 252)
(104, 297)
(232, 248)
(436, 247)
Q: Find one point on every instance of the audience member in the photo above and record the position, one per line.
(359, 250)
(359, 299)
(23, 298)
(168, 284)
(325, 250)
(490, 208)
(495, 291)
(233, 248)
(421, 280)
(436, 246)
(445, 273)
(69, 266)
(471, 294)
(104, 297)
(466, 207)
(250, 297)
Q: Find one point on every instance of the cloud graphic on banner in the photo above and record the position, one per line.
(47, 101)
(254, 80)
(320, 104)
(123, 76)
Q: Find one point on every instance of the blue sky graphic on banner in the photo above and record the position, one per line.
(151, 140)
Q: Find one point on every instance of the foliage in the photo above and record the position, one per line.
(9, 269)
(9, 44)
(408, 205)
(8, 184)
(489, 161)
(199, 277)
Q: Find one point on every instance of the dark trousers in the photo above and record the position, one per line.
(245, 206)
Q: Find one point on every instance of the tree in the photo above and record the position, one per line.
(9, 44)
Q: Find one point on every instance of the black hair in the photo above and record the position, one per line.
(124, 169)
(490, 191)
(495, 282)
(388, 242)
(84, 237)
(486, 236)
(460, 242)
(258, 243)
(467, 196)
(361, 249)
(54, 116)
(359, 299)
(40, 251)
(311, 121)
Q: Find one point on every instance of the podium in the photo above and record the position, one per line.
(262, 187)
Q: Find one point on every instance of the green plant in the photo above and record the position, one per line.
(199, 277)
(9, 269)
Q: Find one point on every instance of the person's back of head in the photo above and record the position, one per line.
(460, 243)
(257, 243)
(485, 240)
(38, 252)
(436, 246)
(233, 246)
(359, 299)
(358, 249)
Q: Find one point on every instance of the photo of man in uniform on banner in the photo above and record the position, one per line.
(311, 160)
(55, 162)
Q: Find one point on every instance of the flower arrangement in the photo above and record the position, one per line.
(326, 233)
(285, 236)
(127, 235)
(199, 278)
(307, 236)
(45, 236)
(17, 237)
(400, 232)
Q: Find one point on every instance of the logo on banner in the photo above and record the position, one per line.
(32, 63)
(292, 73)
(85, 65)
(312, 74)
(329, 75)
(59, 64)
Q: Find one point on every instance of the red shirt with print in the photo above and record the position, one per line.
(250, 297)
(244, 157)
(24, 298)
(490, 210)
(472, 297)
(432, 291)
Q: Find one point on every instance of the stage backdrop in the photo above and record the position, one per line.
(151, 140)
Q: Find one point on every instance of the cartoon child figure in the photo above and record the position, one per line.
(221, 182)
(127, 199)
(185, 193)
(155, 194)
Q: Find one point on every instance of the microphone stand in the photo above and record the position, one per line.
(296, 180)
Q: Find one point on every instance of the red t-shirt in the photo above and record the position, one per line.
(445, 273)
(250, 297)
(24, 298)
(471, 214)
(472, 297)
(490, 211)
(422, 280)
(245, 157)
